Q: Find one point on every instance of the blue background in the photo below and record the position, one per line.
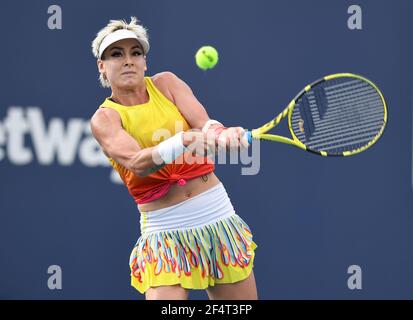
(311, 217)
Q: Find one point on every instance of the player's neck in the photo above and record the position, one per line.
(130, 97)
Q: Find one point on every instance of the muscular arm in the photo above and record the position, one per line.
(117, 144)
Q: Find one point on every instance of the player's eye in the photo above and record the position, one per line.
(116, 54)
(137, 53)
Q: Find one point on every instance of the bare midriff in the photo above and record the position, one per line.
(178, 193)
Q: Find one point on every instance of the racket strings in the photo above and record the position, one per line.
(338, 115)
(364, 115)
(347, 136)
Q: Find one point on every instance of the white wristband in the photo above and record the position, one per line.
(209, 123)
(171, 148)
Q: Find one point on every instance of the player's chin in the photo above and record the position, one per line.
(129, 82)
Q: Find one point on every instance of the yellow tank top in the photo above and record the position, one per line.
(149, 124)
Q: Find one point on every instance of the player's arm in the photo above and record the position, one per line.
(117, 144)
(183, 97)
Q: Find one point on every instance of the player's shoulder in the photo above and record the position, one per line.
(165, 77)
(104, 117)
(166, 82)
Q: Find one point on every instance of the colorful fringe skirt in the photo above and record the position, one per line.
(197, 243)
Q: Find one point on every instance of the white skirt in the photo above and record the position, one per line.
(204, 208)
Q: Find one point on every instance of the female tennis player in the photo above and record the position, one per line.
(156, 135)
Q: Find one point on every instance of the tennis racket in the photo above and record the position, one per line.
(339, 115)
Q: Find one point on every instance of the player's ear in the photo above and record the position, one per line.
(146, 67)
(101, 65)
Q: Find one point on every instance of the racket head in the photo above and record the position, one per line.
(339, 115)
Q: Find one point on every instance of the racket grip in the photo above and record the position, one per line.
(248, 136)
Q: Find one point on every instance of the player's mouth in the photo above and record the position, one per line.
(128, 72)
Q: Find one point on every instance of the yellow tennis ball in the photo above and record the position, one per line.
(206, 57)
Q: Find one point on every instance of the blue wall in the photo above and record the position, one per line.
(311, 217)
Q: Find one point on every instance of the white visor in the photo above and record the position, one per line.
(120, 35)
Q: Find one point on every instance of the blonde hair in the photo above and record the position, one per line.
(113, 25)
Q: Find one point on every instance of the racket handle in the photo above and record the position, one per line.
(248, 136)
